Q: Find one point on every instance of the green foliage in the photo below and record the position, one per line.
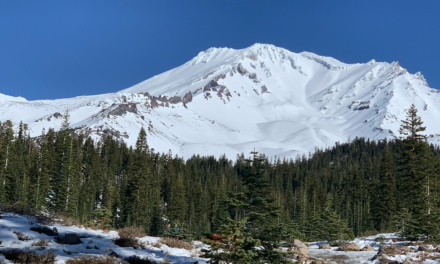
(253, 225)
(332, 194)
(418, 181)
(178, 231)
(384, 202)
(103, 218)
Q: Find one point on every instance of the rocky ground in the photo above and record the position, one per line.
(67, 242)
(379, 249)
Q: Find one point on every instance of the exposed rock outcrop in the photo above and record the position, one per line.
(187, 98)
(175, 99)
(122, 109)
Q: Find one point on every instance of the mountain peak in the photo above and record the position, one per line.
(212, 54)
(329, 62)
(227, 101)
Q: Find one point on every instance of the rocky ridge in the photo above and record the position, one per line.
(227, 101)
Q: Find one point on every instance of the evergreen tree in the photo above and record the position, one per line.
(417, 173)
(334, 228)
(256, 227)
(384, 202)
(7, 181)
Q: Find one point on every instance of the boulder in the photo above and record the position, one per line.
(325, 246)
(70, 239)
(298, 244)
(368, 248)
(349, 247)
(422, 248)
(379, 256)
(302, 251)
(389, 250)
(302, 258)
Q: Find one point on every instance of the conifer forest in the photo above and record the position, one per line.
(344, 191)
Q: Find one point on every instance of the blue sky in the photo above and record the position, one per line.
(57, 49)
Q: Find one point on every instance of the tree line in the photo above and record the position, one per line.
(333, 194)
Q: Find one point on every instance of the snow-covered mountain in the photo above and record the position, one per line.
(227, 101)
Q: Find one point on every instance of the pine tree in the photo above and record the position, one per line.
(334, 228)
(417, 173)
(255, 225)
(7, 176)
(384, 202)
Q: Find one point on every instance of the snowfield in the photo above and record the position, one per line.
(227, 101)
(94, 242)
(97, 242)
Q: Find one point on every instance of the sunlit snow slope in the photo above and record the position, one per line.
(227, 101)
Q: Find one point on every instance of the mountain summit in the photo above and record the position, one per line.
(227, 101)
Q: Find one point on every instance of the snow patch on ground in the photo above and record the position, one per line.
(94, 242)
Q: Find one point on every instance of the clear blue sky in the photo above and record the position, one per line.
(57, 49)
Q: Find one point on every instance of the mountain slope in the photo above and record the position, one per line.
(227, 101)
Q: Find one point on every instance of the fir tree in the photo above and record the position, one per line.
(257, 227)
(417, 173)
(384, 202)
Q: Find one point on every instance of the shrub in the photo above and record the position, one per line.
(18, 256)
(45, 230)
(175, 243)
(128, 236)
(41, 244)
(104, 259)
(23, 237)
(131, 232)
(126, 242)
(67, 221)
(138, 260)
(380, 239)
(155, 244)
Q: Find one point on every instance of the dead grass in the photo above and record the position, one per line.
(23, 237)
(131, 232)
(67, 221)
(425, 255)
(18, 256)
(41, 244)
(370, 233)
(128, 236)
(195, 253)
(155, 244)
(175, 243)
(104, 259)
